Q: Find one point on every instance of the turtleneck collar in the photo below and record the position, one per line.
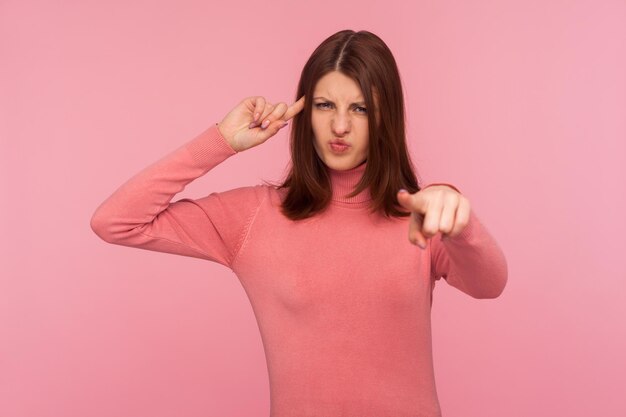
(344, 182)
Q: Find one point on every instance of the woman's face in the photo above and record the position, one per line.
(339, 112)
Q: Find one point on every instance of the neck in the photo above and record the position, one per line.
(344, 182)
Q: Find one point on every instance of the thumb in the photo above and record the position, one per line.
(413, 202)
(405, 199)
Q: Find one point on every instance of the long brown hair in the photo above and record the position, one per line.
(366, 59)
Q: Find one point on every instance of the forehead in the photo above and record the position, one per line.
(336, 85)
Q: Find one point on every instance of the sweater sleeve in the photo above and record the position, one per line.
(140, 213)
(472, 261)
(442, 183)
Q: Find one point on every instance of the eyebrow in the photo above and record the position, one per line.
(324, 98)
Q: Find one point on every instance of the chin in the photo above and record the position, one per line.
(338, 162)
(341, 165)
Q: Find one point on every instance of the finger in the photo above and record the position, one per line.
(258, 104)
(415, 223)
(448, 214)
(462, 216)
(258, 109)
(271, 129)
(294, 109)
(405, 199)
(263, 121)
(415, 230)
(432, 217)
(275, 116)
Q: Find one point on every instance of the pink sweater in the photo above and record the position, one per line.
(342, 300)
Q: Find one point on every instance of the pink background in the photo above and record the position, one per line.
(521, 104)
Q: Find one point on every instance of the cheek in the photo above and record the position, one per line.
(315, 122)
(365, 135)
(318, 129)
(316, 147)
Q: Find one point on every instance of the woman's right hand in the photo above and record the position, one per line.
(243, 130)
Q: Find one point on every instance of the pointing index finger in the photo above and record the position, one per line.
(294, 109)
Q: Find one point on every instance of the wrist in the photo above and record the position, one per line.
(226, 138)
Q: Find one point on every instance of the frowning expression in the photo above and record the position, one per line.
(339, 113)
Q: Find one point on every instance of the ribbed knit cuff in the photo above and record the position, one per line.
(209, 146)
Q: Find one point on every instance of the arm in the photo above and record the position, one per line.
(471, 261)
(140, 212)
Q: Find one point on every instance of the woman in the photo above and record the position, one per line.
(342, 299)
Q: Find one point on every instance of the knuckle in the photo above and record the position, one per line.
(445, 228)
(428, 230)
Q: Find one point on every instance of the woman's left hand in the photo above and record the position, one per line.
(436, 208)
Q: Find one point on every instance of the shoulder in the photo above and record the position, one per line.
(250, 196)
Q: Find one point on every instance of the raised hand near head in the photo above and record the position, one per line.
(254, 120)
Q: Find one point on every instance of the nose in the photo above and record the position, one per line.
(340, 123)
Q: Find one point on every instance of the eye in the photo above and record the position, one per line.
(360, 109)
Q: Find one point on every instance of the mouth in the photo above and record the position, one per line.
(338, 146)
(338, 141)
